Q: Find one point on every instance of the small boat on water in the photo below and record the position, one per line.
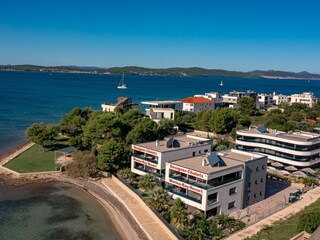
(121, 84)
(221, 84)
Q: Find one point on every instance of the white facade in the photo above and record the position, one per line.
(151, 157)
(235, 179)
(299, 149)
(108, 107)
(206, 197)
(279, 98)
(265, 100)
(176, 105)
(157, 114)
(231, 101)
(306, 98)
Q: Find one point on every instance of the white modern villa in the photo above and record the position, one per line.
(298, 149)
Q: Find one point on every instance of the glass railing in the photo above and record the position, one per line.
(170, 189)
(297, 148)
(182, 179)
(144, 158)
(146, 171)
(272, 154)
(203, 186)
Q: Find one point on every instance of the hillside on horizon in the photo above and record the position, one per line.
(174, 71)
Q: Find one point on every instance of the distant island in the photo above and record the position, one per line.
(177, 71)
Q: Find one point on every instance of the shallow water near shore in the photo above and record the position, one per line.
(51, 211)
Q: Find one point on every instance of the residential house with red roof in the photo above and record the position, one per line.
(197, 104)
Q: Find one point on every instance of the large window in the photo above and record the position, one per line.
(212, 198)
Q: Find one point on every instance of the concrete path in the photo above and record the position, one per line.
(307, 199)
(154, 228)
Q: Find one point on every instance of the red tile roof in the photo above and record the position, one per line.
(196, 100)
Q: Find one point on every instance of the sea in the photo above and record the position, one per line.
(33, 97)
(52, 211)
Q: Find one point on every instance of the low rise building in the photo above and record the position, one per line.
(151, 157)
(197, 104)
(298, 149)
(232, 99)
(217, 183)
(280, 98)
(215, 96)
(306, 98)
(176, 105)
(157, 114)
(264, 100)
(123, 102)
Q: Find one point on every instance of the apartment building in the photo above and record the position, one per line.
(299, 149)
(264, 100)
(217, 183)
(306, 98)
(151, 157)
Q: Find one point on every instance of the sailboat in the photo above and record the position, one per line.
(221, 84)
(121, 84)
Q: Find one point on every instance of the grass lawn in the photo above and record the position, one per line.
(283, 230)
(34, 160)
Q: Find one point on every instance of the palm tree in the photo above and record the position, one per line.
(147, 182)
(179, 214)
(126, 174)
(193, 232)
(158, 199)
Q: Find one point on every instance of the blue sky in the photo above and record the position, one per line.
(229, 34)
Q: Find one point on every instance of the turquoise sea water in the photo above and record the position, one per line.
(28, 97)
(52, 211)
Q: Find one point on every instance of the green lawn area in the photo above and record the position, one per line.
(33, 160)
(283, 230)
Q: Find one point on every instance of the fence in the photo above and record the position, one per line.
(138, 194)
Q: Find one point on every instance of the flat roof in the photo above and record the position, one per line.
(160, 102)
(185, 141)
(162, 109)
(295, 136)
(195, 163)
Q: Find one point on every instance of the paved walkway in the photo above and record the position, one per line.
(147, 220)
(307, 199)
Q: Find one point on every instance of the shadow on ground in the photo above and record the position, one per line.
(273, 187)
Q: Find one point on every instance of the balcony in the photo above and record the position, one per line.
(204, 186)
(279, 144)
(150, 172)
(172, 190)
(145, 158)
(193, 183)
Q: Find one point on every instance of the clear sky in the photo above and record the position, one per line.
(230, 34)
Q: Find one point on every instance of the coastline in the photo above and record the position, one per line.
(124, 224)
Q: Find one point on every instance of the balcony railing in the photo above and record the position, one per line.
(150, 172)
(278, 144)
(193, 183)
(274, 154)
(171, 189)
(203, 186)
(145, 158)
